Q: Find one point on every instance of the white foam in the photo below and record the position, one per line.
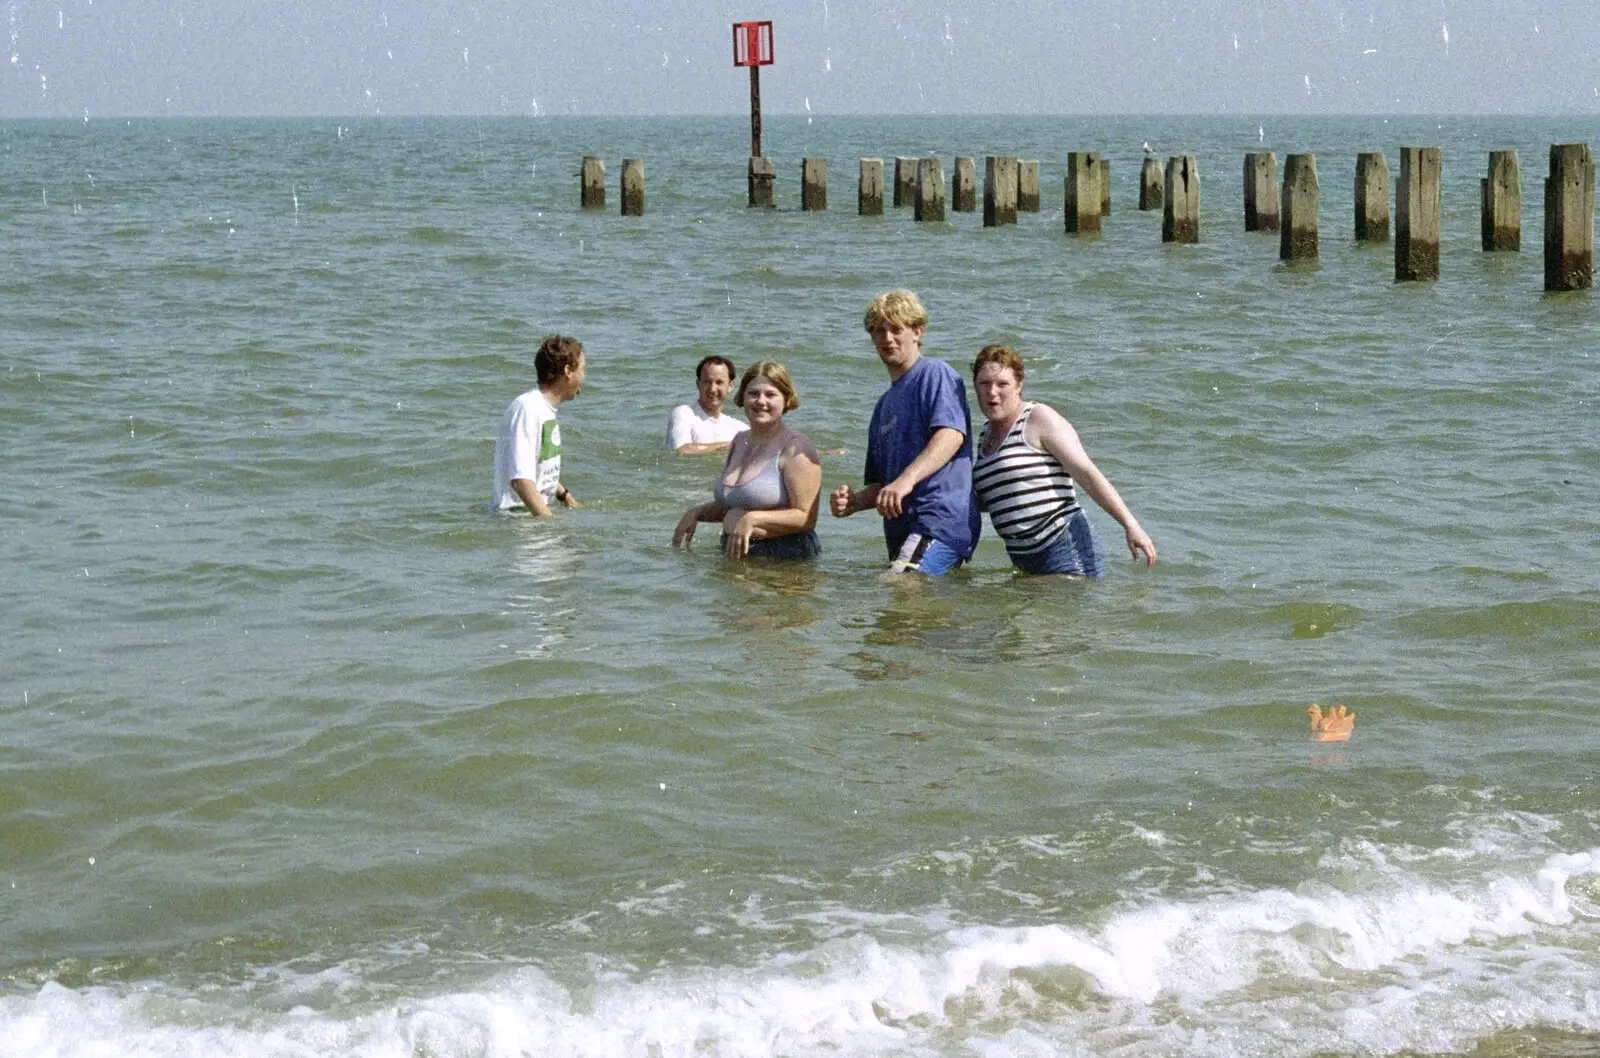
(1398, 961)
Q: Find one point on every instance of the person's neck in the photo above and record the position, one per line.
(998, 428)
(896, 376)
(552, 392)
(770, 432)
(713, 412)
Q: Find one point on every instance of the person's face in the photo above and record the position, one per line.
(898, 346)
(763, 402)
(714, 384)
(572, 378)
(999, 392)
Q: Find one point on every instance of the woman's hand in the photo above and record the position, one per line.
(683, 535)
(739, 526)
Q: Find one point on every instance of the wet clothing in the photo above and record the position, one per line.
(929, 396)
(528, 445)
(924, 554)
(1075, 551)
(795, 545)
(689, 424)
(764, 492)
(1033, 505)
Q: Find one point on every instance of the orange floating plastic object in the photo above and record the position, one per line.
(1335, 725)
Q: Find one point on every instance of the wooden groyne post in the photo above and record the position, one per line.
(930, 190)
(592, 183)
(964, 192)
(633, 187)
(1501, 202)
(762, 177)
(1028, 185)
(869, 192)
(1569, 218)
(1416, 215)
(999, 190)
(1298, 239)
(1180, 212)
(1105, 187)
(1150, 183)
(813, 185)
(1261, 191)
(1083, 193)
(1372, 197)
(905, 181)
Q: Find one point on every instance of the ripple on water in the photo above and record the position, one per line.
(427, 234)
(1553, 626)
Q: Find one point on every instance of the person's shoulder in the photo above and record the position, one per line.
(1046, 416)
(801, 445)
(527, 399)
(937, 372)
(1045, 421)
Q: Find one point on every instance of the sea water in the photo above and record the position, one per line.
(306, 753)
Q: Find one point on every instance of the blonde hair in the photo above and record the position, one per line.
(773, 372)
(1003, 355)
(897, 308)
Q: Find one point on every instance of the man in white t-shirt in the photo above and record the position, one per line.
(527, 450)
(700, 426)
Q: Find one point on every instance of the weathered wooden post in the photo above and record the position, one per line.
(1261, 191)
(1027, 185)
(592, 183)
(1372, 197)
(762, 177)
(905, 181)
(869, 192)
(813, 184)
(999, 190)
(1150, 183)
(752, 47)
(964, 195)
(1501, 202)
(633, 187)
(1105, 188)
(1416, 215)
(930, 190)
(1298, 240)
(1569, 218)
(1083, 193)
(1180, 212)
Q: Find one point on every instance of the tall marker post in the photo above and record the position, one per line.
(752, 47)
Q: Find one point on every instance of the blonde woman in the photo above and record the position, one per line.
(770, 488)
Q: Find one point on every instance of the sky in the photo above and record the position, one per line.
(112, 58)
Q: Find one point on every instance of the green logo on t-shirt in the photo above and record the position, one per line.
(549, 440)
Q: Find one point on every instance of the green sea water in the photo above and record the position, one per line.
(307, 753)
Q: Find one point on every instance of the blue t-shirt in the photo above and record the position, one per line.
(928, 396)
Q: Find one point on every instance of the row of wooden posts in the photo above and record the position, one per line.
(1011, 185)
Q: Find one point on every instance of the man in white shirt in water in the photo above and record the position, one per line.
(700, 426)
(527, 449)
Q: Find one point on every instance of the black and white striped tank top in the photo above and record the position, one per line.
(1027, 492)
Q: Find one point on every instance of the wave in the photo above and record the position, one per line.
(1399, 963)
